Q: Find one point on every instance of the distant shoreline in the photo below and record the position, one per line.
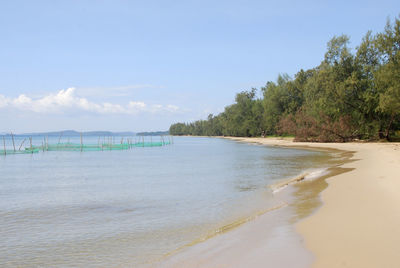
(74, 133)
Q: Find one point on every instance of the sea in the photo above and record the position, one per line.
(132, 208)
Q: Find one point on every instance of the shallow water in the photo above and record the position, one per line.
(120, 208)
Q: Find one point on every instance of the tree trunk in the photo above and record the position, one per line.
(389, 126)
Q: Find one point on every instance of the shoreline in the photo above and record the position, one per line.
(265, 230)
(342, 230)
(358, 223)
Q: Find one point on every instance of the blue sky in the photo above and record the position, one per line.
(142, 65)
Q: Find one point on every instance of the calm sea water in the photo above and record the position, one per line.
(130, 208)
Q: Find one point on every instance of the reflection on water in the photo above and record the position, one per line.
(115, 208)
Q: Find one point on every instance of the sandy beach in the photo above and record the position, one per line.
(358, 224)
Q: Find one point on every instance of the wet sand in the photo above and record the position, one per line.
(358, 224)
(254, 243)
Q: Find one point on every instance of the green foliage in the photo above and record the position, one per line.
(387, 76)
(348, 96)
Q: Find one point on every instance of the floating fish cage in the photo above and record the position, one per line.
(25, 151)
(97, 147)
(103, 144)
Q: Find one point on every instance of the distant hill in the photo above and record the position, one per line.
(74, 133)
(153, 133)
(70, 133)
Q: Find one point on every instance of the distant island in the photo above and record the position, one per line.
(153, 133)
(72, 133)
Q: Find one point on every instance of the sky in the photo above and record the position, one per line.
(124, 65)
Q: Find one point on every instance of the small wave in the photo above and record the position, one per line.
(316, 174)
(308, 175)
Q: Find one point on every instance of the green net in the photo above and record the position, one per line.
(102, 144)
(97, 147)
(25, 151)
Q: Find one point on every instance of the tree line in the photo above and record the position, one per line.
(348, 96)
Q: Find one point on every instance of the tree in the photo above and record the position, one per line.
(388, 75)
(347, 96)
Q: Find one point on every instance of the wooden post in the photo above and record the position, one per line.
(4, 144)
(59, 139)
(30, 140)
(12, 137)
(21, 145)
(143, 140)
(44, 143)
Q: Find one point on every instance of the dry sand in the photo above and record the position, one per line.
(357, 226)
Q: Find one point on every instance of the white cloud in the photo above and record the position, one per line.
(172, 108)
(65, 101)
(3, 101)
(137, 104)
